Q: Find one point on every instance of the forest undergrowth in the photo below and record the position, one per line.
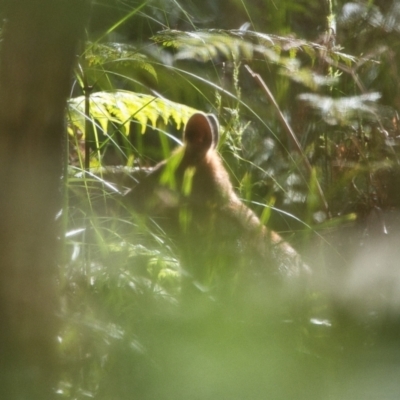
(306, 94)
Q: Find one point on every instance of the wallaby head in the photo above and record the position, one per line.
(193, 176)
(200, 136)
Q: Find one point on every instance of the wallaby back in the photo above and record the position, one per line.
(218, 237)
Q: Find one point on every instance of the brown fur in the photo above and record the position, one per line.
(217, 235)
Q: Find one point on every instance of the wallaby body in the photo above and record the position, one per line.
(193, 199)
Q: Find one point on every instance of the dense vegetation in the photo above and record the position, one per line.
(306, 93)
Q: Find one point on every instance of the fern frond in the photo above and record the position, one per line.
(242, 45)
(345, 110)
(308, 78)
(122, 107)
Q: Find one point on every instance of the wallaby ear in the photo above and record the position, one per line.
(215, 128)
(199, 134)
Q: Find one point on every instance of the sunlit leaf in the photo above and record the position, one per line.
(121, 107)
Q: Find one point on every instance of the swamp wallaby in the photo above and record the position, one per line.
(191, 197)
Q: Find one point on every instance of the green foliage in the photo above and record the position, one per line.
(243, 45)
(100, 54)
(126, 328)
(121, 107)
(344, 110)
(204, 45)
